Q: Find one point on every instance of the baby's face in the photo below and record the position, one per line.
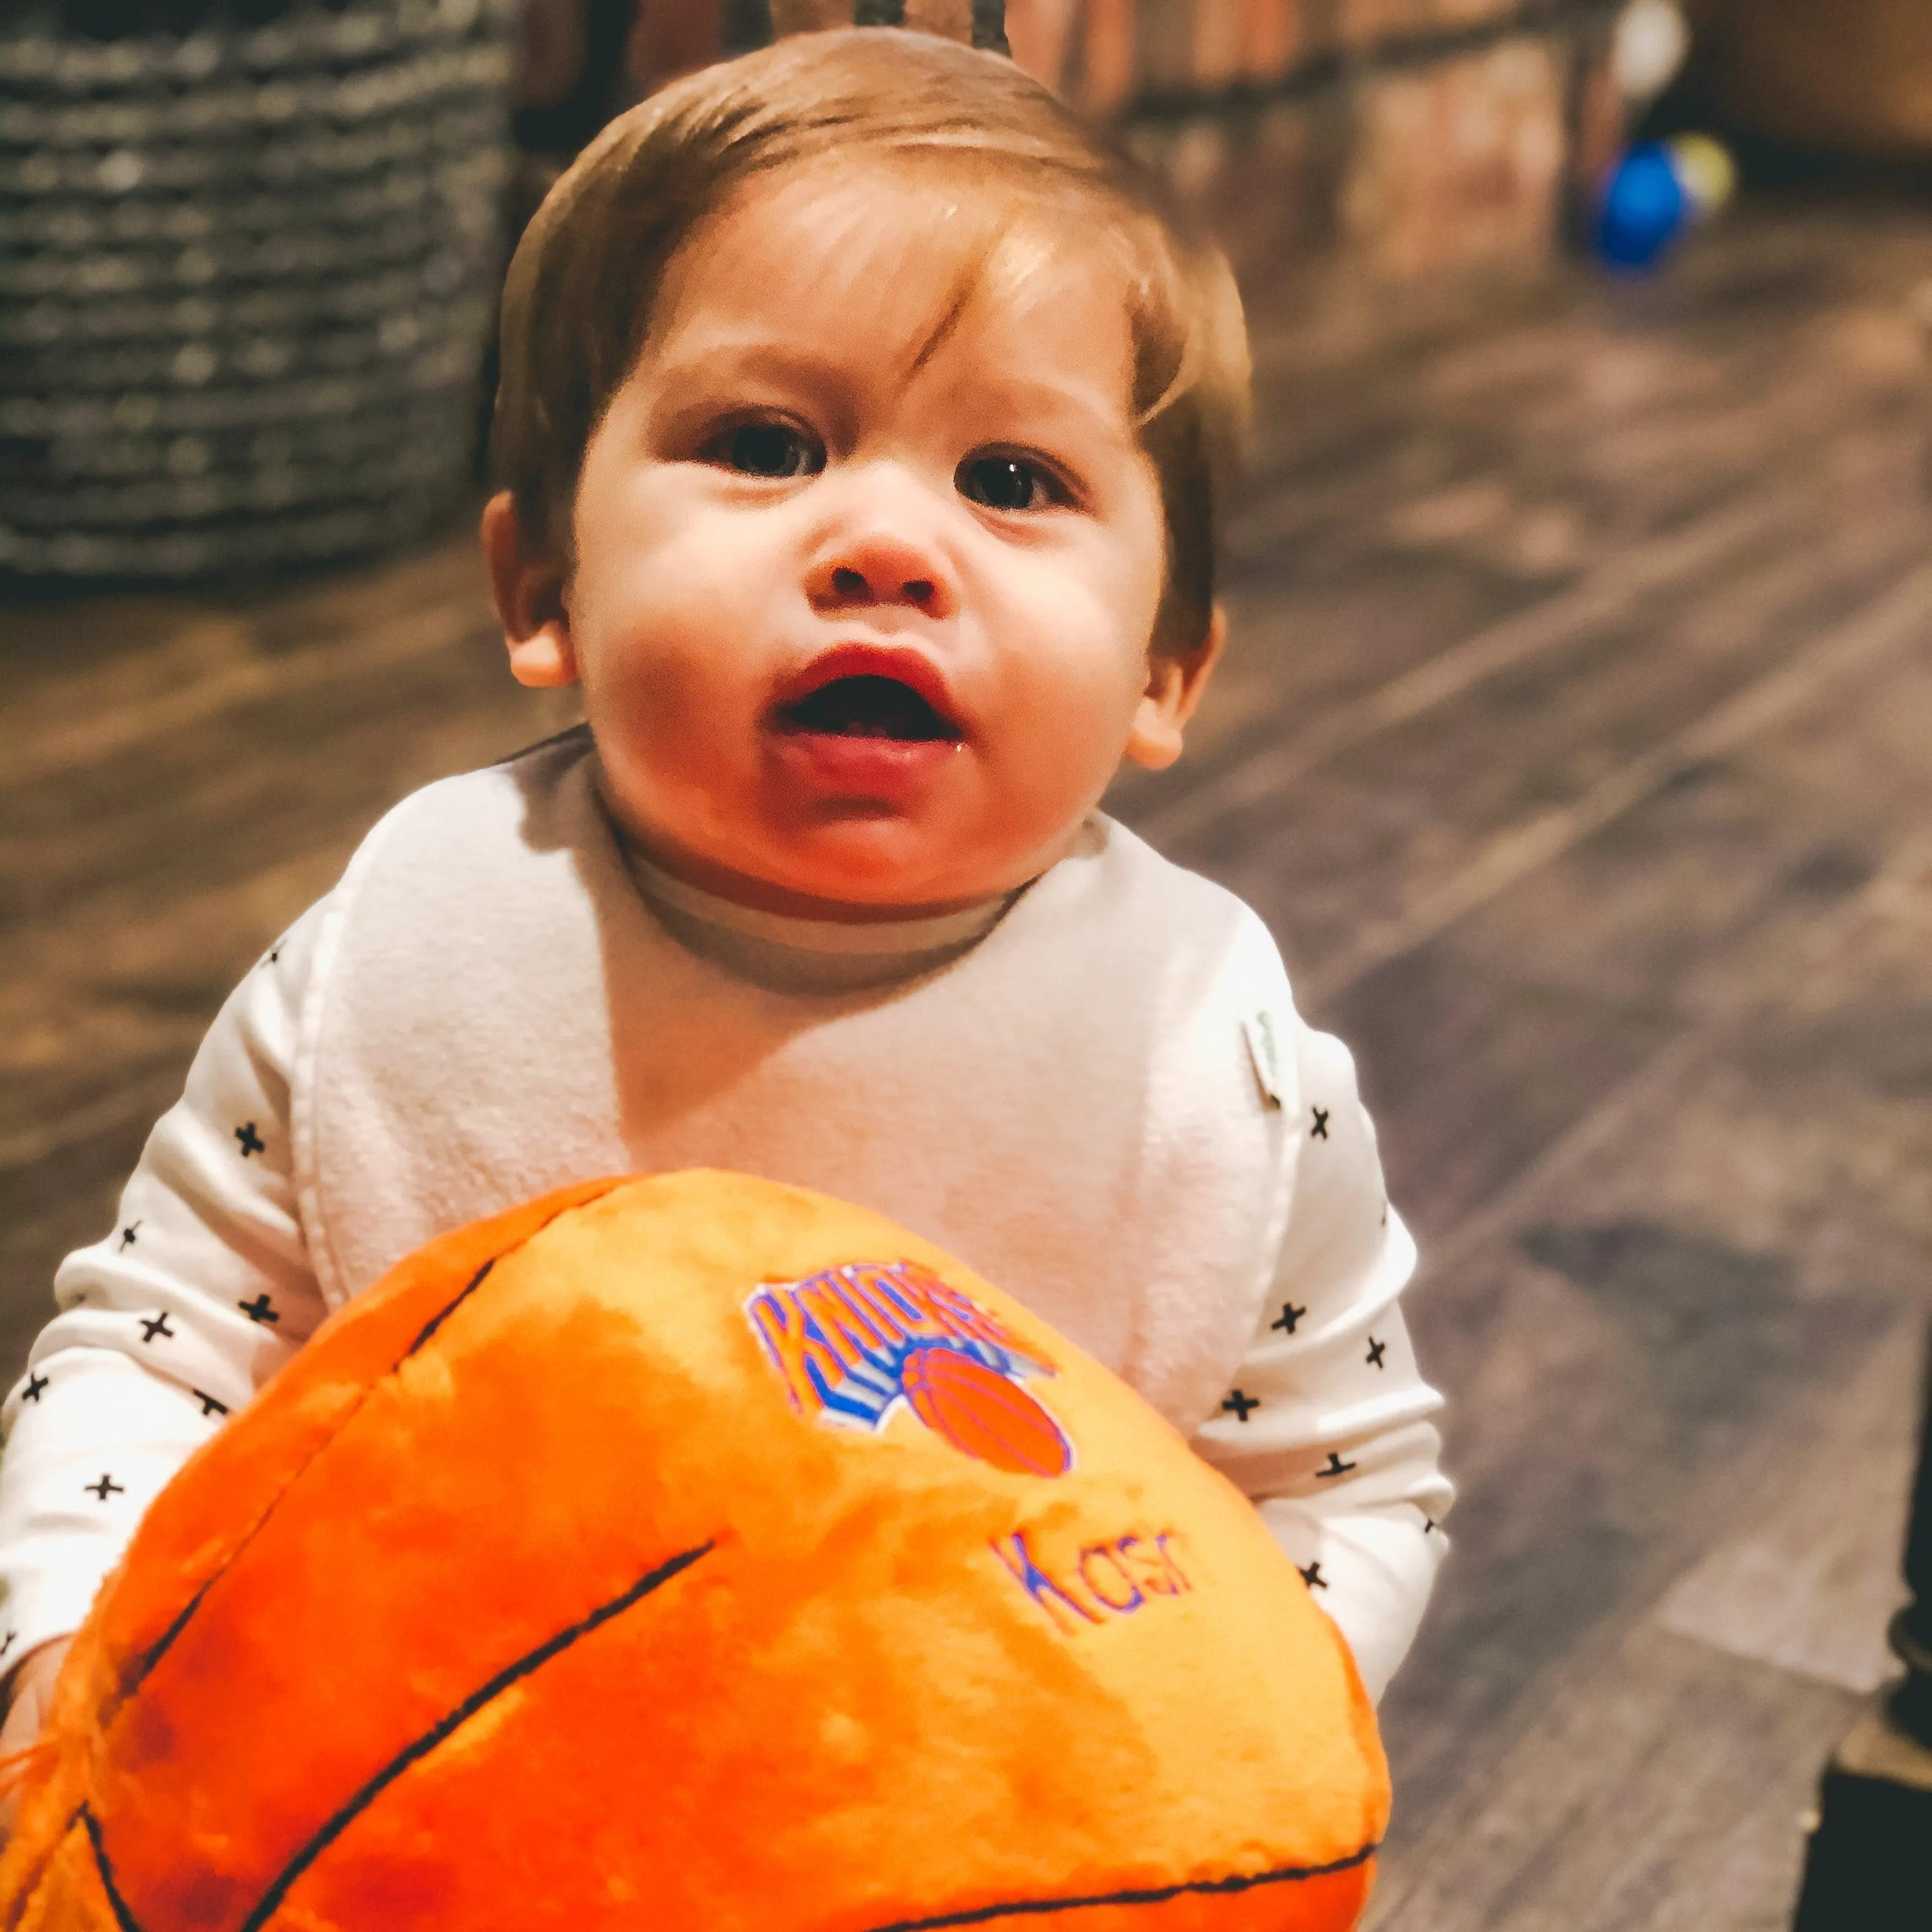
(861, 616)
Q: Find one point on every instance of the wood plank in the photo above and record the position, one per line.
(1810, 1581)
(1898, 619)
(1663, 1792)
(1649, 1337)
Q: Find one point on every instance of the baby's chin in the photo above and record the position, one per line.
(871, 878)
(861, 867)
(848, 860)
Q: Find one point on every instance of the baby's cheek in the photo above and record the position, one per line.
(1075, 694)
(1061, 744)
(658, 729)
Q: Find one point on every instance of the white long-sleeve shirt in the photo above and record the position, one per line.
(208, 1281)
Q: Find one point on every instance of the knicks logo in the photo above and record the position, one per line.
(850, 1343)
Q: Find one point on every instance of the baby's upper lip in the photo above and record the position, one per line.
(909, 667)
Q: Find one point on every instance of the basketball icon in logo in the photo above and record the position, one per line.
(976, 1409)
(853, 1341)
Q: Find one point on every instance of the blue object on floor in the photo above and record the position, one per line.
(1645, 208)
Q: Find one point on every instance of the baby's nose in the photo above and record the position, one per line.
(881, 568)
(852, 585)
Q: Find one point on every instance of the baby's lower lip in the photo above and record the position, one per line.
(844, 764)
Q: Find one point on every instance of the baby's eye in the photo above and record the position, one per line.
(1008, 483)
(776, 449)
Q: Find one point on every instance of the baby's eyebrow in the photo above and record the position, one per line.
(719, 365)
(690, 382)
(1036, 403)
(772, 360)
(1039, 399)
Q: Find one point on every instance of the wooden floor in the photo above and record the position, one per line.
(1577, 744)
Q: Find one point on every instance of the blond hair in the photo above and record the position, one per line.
(582, 287)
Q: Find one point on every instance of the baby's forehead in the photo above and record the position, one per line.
(943, 248)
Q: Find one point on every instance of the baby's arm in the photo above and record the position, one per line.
(1325, 1422)
(201, 1290)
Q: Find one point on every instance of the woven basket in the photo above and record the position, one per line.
(246, 274)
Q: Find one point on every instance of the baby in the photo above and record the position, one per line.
(862, 434)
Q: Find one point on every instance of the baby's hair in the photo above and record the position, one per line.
(585, 280)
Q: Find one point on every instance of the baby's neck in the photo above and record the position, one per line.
(738, 888)
(788, 953)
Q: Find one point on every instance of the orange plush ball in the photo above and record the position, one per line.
(691, 1554)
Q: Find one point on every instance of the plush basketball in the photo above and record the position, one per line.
(690, 1554)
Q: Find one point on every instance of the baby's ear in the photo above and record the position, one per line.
(1176, 679)
(529, 587)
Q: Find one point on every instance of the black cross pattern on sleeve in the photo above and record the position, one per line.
(127, 1234)
(1290, 1315)
(1319, 1131)
(37, 1386)
(8, 1643)
(251, 1141)
(1377, 1350)
(1311, 1575)
(154, 1325)
(210, 1404)
(260, 1309)
(1238, 1405)
(107, 1486)
(1335, 1466)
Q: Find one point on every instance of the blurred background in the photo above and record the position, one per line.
(1574, 741)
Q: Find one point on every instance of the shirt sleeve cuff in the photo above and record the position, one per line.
(1371, 1570)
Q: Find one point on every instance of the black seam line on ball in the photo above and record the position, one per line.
(165, 1643)
(116, 1903)
(436, 1320)
(413, 1754)
(981, 1914)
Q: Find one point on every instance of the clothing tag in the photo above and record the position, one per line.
(1258, 1030)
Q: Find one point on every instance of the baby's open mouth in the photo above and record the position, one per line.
(868, 705)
